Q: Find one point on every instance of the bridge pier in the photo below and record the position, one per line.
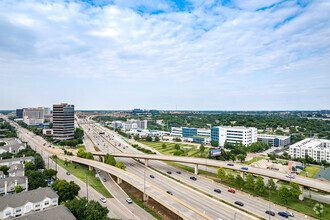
(242, 175)
(196, 169)
(145, 197)
(146, 162)
(119, 181)
(301, 196)
(90, 168)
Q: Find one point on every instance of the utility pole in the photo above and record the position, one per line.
(56, 166)
(87, 187)
(48, 162)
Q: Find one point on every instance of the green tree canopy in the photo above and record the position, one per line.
(241, 157)
(271, 184)
(163, 145)
(284, 194)
(249, 182)
(18, 189)
(239, 181)
(79, 133)
(109, 159)
(214, 143)
(50, 173)
(221, 173)
(295, 190)
(36, 179)
(156, 139)
(4, 169)
(65, 190)
(260, 185)
(120, 165)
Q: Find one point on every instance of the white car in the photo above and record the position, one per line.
(103, 200)
(289, 213)
(290, 176)
(129, 200)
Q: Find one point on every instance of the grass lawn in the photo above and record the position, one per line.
(81, 172)
(312, 171)
(305, 206)
(191, 150)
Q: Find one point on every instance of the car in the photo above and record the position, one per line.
(270, 213)
(283, 214)
(169, 172)
(152, 176)
(99, 171)
(129, 200)
(103, 200)
(68, 173)
(193, 178)
(44, 144)
(169, 192)
(239, 203)
(230, 164)
(178, 172)
(290, 176)
(217, 190)
(244, 168)
(104, 179)
(231, 190)
(289, 213)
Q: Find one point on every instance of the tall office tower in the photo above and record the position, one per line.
(63, 121)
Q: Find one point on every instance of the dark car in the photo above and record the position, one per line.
(283, 214)
(270, 213)
(193, 178)
(178, 172)
(104, 179)
(230, 164)
(239, 203)
(152, 176)
(169, 192)
(169, 172)
(217, 190)
(68, 173)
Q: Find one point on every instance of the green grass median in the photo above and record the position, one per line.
(81, 172)
(312, 171)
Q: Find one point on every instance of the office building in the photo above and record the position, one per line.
(275, 140)
(35, 116)
(27, 202)
(19, 113)
(318, 149)
(243, 135)
(196, 135)
(63, 121)
(130, 124)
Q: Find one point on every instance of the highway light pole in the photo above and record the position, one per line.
(87, 187)
(144, 188)
(269, 202)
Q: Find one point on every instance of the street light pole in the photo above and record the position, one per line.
(87, 187)
(144, 188)
(269, 202)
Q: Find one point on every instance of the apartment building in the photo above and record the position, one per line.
(15, 160)
(12, 145)
(275, 140)
(7, 185)
(318, 149)
(242, 135)
(63, 121)
(26, 202)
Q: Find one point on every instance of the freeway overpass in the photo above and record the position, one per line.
(302, 181)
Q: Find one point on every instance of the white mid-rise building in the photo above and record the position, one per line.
(35, 116)
(275, 140)
(242, 135)
(130, 124)
(318, 149)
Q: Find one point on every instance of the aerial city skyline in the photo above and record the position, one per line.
(215, 55)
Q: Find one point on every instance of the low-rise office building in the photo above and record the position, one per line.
(27, 202)
(197, 135)
(7, 185)
(130, 124)
(244, 135)
(318, 149)
(12, 145)
(275, 140)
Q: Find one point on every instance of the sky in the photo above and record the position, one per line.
(162, 54)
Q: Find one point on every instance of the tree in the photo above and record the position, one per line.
(178, 152)
(77, 207)
(284, 194)
(249, 182)
(30, 166)
(163, 145)
(272, 157)
(230, 177)
(50, 173)
(4, 169)
(36, 179)
(121, 165)
(109, 159)
(221, 173)
(214, 143)
(177, 146)
(260, 185)
(271, 184)
(202, 148)
(81, 153)
(136, 137)
(79, 133)
(39, 162)
(149, 138)
(94, 211)
(50, 126)
(89, 156)
(18, 189)
(156, 139)
(241, 157)
(66, 191)
(295, 190)
(239, 181)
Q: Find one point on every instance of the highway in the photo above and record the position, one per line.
(211, 207)
(251, 204)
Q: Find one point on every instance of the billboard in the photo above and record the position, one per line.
(215, 152)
